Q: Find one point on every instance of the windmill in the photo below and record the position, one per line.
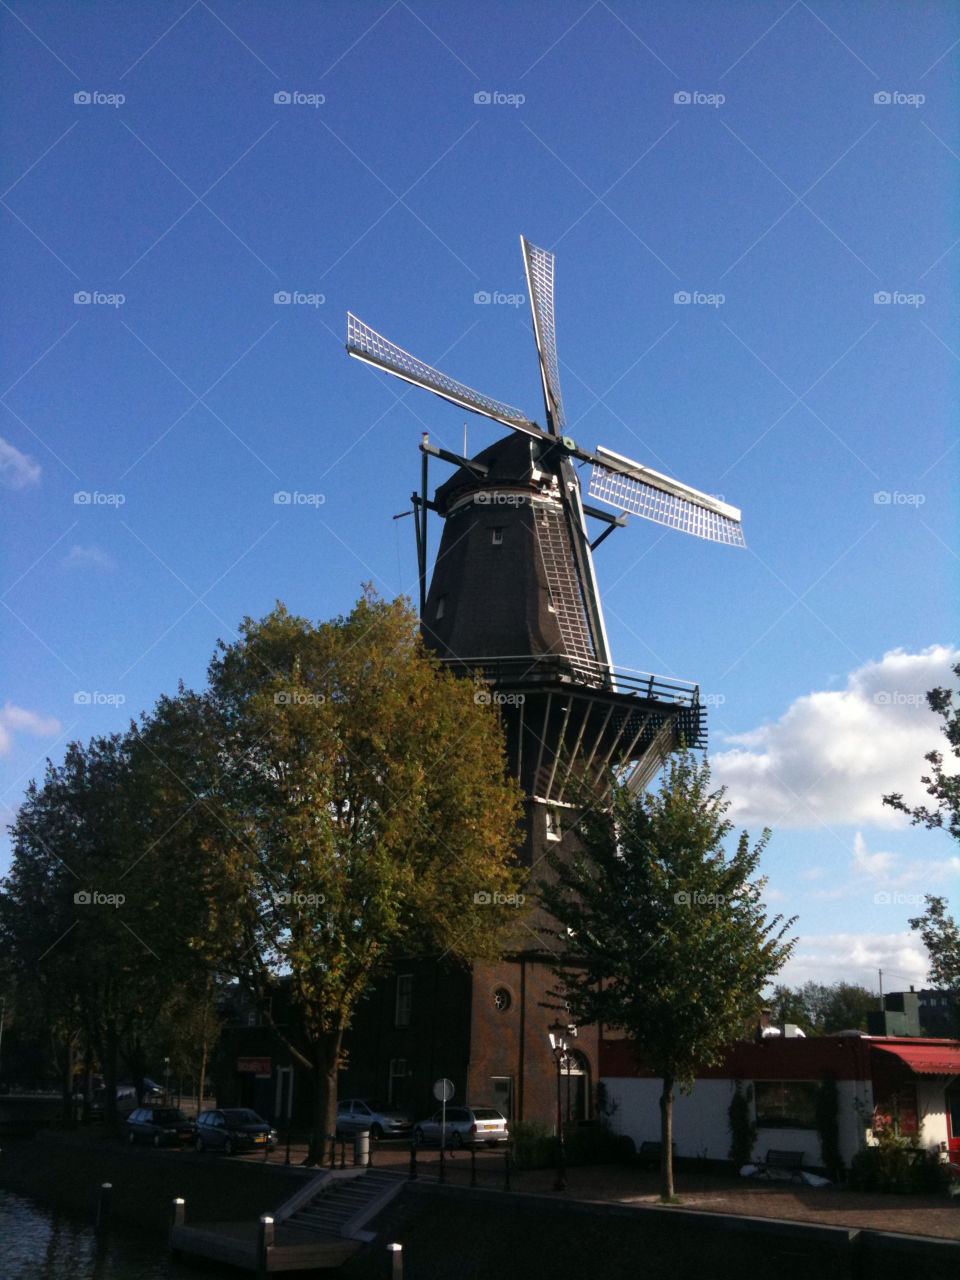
(530, 611)
(513, 600)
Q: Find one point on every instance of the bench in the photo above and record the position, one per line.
(790, 1162)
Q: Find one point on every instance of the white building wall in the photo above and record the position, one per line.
(701, 1126)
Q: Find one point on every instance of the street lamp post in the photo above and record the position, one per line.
(559, 1046)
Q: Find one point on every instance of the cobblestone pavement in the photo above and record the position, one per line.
(837, 1206)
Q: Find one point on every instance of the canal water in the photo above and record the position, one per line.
(38, 1243)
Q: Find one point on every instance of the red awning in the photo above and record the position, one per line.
(926, 1059)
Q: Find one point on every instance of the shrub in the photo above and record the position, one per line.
(743, 1132)
(897, 1164)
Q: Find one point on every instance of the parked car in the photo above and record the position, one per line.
(160, 1125)
(465, 1127)
(126, 1097)
(230, 1129)
(356, 1114)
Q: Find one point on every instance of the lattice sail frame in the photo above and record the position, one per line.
(366, 344)
(539, 265)
(665, 501)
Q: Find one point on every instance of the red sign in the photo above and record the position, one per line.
(260, 1067)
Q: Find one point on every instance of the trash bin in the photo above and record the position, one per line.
(361, 1148)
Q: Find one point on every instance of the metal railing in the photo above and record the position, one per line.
(527, 669)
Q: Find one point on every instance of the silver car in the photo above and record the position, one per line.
(465, 1127)
(383, 1121)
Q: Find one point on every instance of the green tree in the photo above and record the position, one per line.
(353, 796)
(91, 912)
(939, 931)
(943, 787)
(664, 934)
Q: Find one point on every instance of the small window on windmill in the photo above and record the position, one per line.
(553, 825)
(496, 537)
(441, 607)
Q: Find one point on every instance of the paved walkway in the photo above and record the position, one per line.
(834, 1206)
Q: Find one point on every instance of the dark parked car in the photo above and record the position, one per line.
(383, 1121)
(160, 1125)
(231, 1129)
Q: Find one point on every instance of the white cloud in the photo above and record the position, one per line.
(18, 720)
(856, 957)
(833, 755)
(17, 471)
(88, 558)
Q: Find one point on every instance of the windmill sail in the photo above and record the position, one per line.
(366, 344)
(539, 266)
(644, 492)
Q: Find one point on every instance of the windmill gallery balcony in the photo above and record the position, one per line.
(565, 719)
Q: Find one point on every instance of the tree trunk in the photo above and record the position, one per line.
(666, 1139)
(67, 1079)
(324, 1075)
(203, 1075)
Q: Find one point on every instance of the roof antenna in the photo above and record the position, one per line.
(465, 454)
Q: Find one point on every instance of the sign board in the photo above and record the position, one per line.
(443, 1090)
(262, 1068)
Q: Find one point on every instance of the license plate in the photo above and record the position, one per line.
(260, 1137)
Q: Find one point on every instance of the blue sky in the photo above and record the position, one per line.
(736, 152)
